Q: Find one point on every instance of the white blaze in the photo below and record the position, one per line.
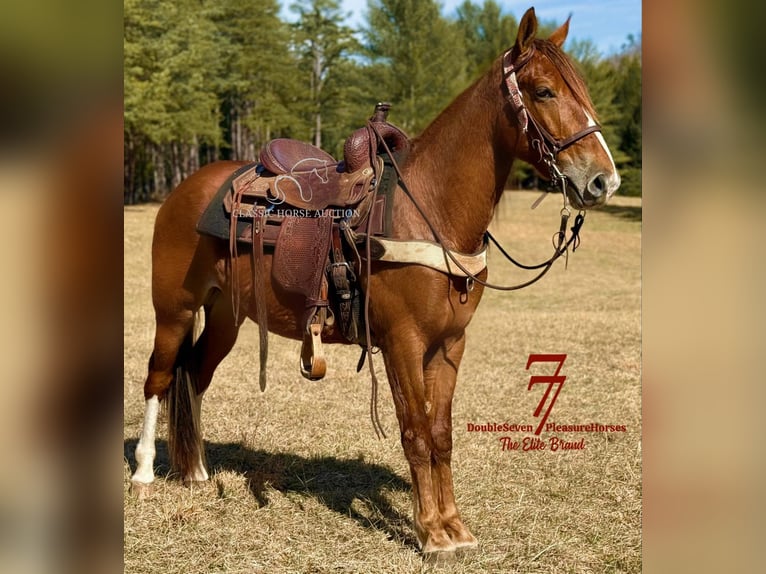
(615, 177)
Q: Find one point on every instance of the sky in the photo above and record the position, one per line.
(606, 22)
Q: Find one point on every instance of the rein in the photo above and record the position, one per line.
(560, 248)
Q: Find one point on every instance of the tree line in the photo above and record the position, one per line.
(216, 79)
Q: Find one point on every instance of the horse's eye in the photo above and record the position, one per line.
(544, 93)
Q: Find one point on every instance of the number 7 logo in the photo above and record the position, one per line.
(551, 380)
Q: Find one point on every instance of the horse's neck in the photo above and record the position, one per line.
(457, 170)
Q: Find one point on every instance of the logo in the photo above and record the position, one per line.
(550, 385)
(551, 380)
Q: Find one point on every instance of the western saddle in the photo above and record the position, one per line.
(314, 212)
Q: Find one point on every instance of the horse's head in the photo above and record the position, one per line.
(549, 103)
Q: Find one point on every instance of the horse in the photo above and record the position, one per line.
(532, 105)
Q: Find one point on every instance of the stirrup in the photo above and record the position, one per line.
(313, 363)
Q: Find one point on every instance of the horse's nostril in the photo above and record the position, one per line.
(597, 185)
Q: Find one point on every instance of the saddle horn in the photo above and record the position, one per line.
(356, 150)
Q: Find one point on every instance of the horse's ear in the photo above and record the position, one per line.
(526, 33)
(560, 34)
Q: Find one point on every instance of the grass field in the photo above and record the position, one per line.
(299, 482)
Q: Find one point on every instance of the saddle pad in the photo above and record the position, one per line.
(214, 221)
(301, 253)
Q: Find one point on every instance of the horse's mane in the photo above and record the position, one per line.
(569, 72)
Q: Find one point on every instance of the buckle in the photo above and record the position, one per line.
(331, 267)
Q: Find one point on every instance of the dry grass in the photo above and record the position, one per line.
(299, 483)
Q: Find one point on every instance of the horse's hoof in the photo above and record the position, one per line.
(438, 545)
(466, 541)
(141, 490)
(460, 535)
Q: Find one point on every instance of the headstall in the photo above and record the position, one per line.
(541, 140)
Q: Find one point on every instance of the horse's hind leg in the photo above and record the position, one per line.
(196, 367)
(211, 348)
(171, 333)
(217, 339)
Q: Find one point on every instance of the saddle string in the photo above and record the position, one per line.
(257, 287)
(258, 291)
(374, 379)
(233, 255)
(560, 249)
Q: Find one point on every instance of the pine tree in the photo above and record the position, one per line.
(170, 105)
(627, 100)
(424, 58)
(486, 32)
(325, 47)
(258, 89)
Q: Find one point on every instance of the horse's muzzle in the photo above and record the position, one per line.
(596, 193)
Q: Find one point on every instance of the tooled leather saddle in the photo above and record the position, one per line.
(305, 207)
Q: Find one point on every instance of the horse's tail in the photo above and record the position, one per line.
(183, 408)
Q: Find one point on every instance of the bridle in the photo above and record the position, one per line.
(549, 147)
(540, 139)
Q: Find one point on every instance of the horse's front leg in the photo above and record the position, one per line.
(440, 377)
(404, 366)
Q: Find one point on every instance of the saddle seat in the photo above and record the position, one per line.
(283, 155)
(296, 174)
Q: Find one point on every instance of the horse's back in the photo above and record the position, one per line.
(178, 216)
(183, 264)
(195, 192)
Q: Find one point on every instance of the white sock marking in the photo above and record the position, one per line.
(145, 450)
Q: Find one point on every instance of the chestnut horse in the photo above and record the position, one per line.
(531, 105)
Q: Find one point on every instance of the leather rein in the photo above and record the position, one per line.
(549, 147)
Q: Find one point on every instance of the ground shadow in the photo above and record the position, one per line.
(336, 483)
(628, 212)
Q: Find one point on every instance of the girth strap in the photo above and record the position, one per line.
(257, 284)
(342, 278)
